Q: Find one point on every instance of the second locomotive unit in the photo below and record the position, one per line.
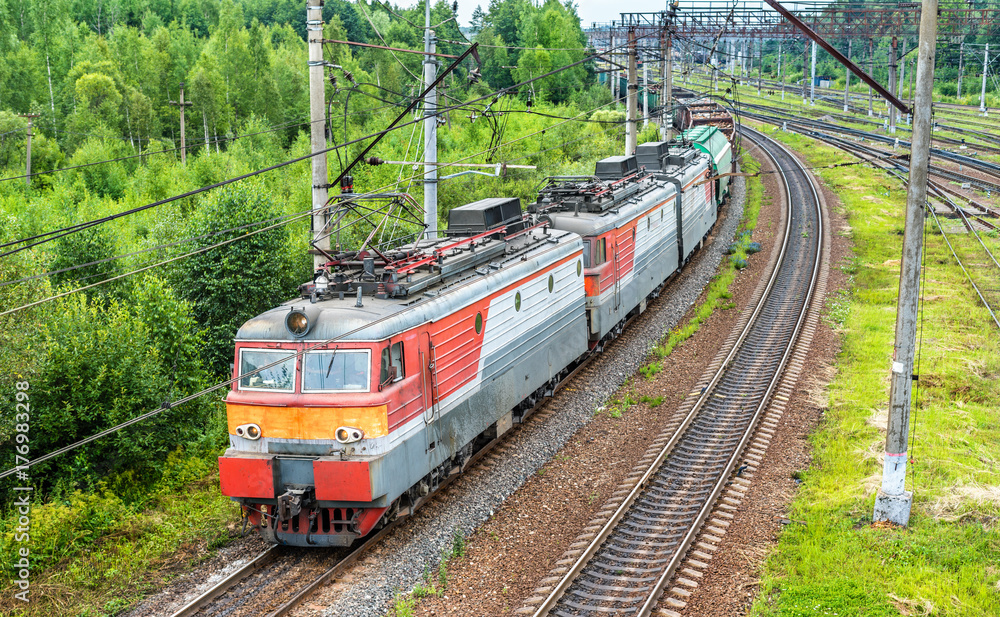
(357, 399)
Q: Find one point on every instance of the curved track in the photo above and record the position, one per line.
(627, 566)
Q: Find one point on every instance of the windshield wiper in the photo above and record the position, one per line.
(329, 367)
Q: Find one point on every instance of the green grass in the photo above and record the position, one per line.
(946, 561)
(92, 555)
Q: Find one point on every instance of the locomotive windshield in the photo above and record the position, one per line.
(277, 378)
(337, 371)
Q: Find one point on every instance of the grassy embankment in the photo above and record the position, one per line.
(831, 560)
(94, 554)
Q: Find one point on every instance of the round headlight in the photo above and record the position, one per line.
(297, 323)
(248, 431)
(349, 434)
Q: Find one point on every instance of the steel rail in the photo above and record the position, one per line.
(258, 562)
(645, 482)
(993, 314)
(983, 166)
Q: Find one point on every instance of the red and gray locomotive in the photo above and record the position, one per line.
(393, 367)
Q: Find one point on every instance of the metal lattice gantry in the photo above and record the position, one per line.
(831, 20)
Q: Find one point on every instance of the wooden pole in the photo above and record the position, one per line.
(181, 103)
(27, 158)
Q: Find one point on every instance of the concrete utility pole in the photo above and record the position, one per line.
(913, 72)
(632, 102)
(812, 90)
(781, 77)
(982, 95)
(666, 69)
(760, 65)
(668, 82)
(430, 128)
(645, 93)
(182, 104)
(611, 70)
(893, 501)
(902, 73)
(892, 85)
(847, 80)
(27, 157)
(317, 132)
(805, 70)
(871, 71)
(961, 57)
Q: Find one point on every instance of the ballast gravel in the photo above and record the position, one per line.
(405, 557)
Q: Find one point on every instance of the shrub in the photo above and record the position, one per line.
(81, 247)
(948, 89)
(230, 284)
(105, 364)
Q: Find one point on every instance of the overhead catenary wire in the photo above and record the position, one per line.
(226, 383)
(293, 216)
(205, 391)
(159, 247)
(48, 236)
(152, 152)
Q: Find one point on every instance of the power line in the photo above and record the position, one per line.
(223, 384)
(290, 218)
(142, 154)
(158, 247)
(49, 236)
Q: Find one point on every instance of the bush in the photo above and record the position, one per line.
(105, 364)
(230, 284)
(948, 89)
(85, 246)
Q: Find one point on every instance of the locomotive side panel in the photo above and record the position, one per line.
(657, 255)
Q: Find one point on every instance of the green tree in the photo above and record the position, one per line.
(92, 244)
(105, 364)
(230, 284)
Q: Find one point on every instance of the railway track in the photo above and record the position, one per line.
(833, 103)
(812, 129)
(634, 554)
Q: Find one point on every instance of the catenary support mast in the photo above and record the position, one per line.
(893, 501)
(317, 130)
(430, 128)
(632, 100)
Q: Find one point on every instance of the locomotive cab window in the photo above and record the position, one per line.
(392, 357)
(338, 370)
(277, 378)
(594, 252)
